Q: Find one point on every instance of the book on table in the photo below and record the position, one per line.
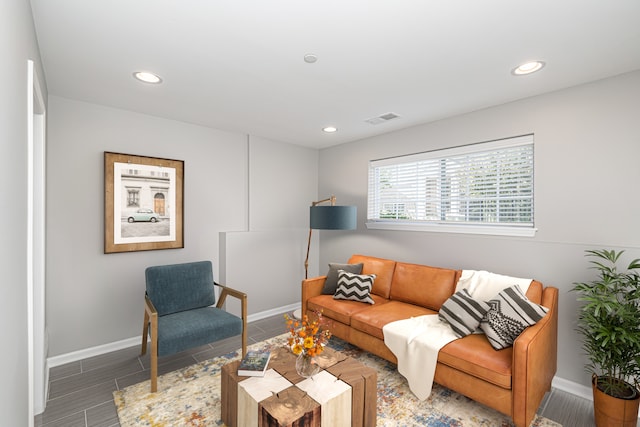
(254, 364)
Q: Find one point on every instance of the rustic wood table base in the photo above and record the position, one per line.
(343, 393)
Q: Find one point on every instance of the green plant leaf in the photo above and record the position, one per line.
(609, 318)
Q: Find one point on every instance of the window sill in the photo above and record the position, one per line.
(489, 230)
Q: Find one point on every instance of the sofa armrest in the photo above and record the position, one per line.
(311, 288)
(535, 356)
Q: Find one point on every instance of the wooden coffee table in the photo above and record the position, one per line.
(344, 389)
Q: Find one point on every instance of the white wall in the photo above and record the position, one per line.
(267, 266)
(283, 182)
(587, 147)
(17, 45)
(95, 299)
(268, 258)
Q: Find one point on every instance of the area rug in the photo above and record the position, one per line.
(191, 397)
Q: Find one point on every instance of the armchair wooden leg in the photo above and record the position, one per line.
(154, 371)
(244, 325)
(154, 353)
(145, 332)
(244, 341)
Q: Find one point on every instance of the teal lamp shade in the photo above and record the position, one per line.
(333, 217)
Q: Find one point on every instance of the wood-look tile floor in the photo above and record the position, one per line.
(80, 393)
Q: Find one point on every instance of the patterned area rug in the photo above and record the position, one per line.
(191, 397)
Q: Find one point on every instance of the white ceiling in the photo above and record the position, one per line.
(238, 65)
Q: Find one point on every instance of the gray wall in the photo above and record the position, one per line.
(95, 299)
(587, 145)
(266, 261)
(17, 45)
(283, 181)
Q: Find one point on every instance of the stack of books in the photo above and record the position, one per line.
(254, 364)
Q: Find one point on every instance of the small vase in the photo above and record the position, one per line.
(306, 366)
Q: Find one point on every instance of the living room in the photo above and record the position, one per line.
(246, 201)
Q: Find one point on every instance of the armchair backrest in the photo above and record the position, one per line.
(180, 287)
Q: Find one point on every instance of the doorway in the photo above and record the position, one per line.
(37, 342)
(158, 204)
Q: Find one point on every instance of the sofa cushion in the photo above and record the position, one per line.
(422, 285)
(510, 314)
(355, 287)
(331, 282)
(382, 268)
(474, 355)
(374, 318)
(463, 313)
(340, 310)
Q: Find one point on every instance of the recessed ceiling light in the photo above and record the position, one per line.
(330, 129)
(310, 58)
(528, 68)
(147, 77)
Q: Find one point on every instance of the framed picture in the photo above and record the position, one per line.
(143, 203)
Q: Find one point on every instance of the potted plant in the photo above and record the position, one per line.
(609, 321)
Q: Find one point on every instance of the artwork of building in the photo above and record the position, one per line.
(143, 188)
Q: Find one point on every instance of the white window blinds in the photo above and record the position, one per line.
(487, 184)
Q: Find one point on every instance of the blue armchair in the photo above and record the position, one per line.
(180, 312)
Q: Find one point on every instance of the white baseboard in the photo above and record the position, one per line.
(134, 341)
(74, 356)
(268, 313)
(573, 388)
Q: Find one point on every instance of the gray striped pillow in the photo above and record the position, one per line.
(463, 313)
(510, 314)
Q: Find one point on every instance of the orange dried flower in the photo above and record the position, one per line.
(308, 342)
(297, 349)
(307, 336)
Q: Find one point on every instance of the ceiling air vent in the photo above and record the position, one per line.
(382, 118)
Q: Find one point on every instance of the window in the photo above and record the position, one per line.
(484, 188)
(133, 198)
(394, 211)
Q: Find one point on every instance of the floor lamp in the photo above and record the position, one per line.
(330, 217)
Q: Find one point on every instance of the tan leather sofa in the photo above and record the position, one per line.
(513, 381)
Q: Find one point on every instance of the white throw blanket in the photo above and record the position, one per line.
(416, 341)
(483, 285)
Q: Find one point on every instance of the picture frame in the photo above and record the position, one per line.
(143, 203)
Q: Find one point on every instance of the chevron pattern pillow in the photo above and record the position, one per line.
(463, 313)
(355, 287)
(510, 314)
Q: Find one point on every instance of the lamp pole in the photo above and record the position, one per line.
(332, 200)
